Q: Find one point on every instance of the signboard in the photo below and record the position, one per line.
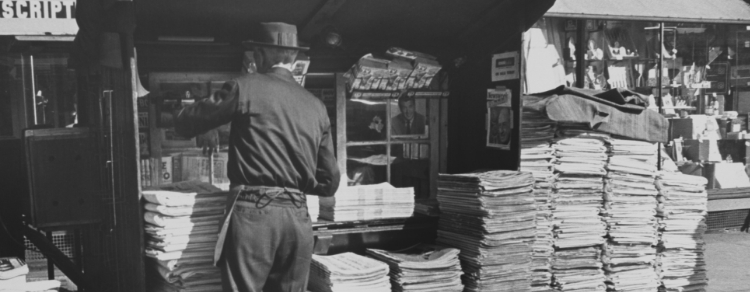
(38, 17)
(505, 66)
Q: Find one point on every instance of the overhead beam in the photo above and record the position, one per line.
(320, 19)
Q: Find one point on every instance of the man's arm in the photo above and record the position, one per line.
(327, 172)
(210, 113)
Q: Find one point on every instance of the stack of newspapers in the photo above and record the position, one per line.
(422, 268)
(348, 272)
(682, 208)
(578, 227)
(313, 207)
(536, 128)
(368, 202)
(537, 157)
(538, 161)
(630, 213)
(181, 230)
(490, 217)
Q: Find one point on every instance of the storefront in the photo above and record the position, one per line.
(37, 90)
(695, 51)
(186, 51)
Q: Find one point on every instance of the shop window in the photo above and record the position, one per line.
(705, 66)
(36, 90)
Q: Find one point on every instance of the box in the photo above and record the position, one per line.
(701, 150)
(195, 166)
(680, 128)
(424, 71)
(399, 70)
(166, 170)
(729, 175)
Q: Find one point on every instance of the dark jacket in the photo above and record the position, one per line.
(280, 133)
(399, 125)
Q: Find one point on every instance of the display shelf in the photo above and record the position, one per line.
(394, 94)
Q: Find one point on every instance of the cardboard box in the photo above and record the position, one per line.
(681, 128)
(166, 169)
(702, 150)
(424, 71)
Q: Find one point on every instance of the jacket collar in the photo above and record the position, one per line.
(281, 72)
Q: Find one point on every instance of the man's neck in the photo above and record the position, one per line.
(285, 66)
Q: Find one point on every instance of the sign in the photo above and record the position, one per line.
(505, 66)
(499, 118)
(38, 17)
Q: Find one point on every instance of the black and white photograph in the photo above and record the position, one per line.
(374, 146)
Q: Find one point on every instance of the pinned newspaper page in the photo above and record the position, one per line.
(499, 118)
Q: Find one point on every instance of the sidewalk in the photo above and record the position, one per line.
(728, 261)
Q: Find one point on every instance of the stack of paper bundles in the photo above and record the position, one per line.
(422, 268)
(313, 207)
(348, 272)
(182, 221)
(578, 227)
(630, 213)
(537, 157)
(368, 202)
(682, 207)
(490, 216)
(538, 161)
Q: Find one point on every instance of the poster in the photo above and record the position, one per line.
(499, 119)
(505, 66)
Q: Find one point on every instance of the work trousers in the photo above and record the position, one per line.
(268, 245)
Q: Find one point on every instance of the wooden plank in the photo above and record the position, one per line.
(318, 21)
(443, 135)
(729, 204)
(341, 121)
(435, 130)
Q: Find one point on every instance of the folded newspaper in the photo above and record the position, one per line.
(348, 272)
(368, 202)
(423, 268)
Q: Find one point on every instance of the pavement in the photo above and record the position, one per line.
(728, 261)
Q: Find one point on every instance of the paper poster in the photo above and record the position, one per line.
(499, 119)
(505, 66)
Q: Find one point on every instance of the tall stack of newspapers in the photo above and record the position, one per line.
(630, 213)
(181, 229)
(422, 268)
(579, 229)
(490, 217)
(537, 157)
(368, 202)
(682, 211)
(347, 272)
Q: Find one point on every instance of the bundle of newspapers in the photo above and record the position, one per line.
(181, 229)
(578, 227)
(682, 211)
(537, 157)
(490, 217)
(630, 213)
(348, 272)
(422, 268)
(368, 202)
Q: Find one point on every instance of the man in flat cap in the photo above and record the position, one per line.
(280, 149)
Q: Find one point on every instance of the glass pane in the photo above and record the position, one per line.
(53, 92)
(367, 164)
(409, 118)
(411, 168)
(11, 87)
(365, 120)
